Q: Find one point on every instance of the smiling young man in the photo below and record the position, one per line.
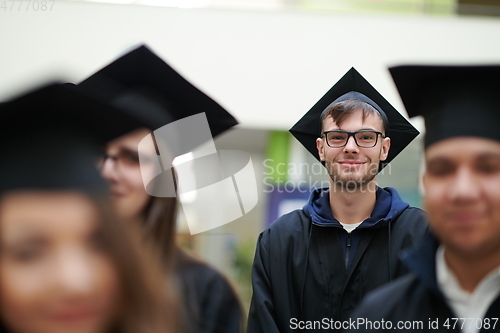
(313, 265)
(352, 147)
(455, 281)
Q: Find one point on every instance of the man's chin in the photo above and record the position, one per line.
(348, 179)
(353, 184)
(348, 183)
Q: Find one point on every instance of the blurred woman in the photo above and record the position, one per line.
(67, 266)
(141, 83)
(66, 263)
(210, 303)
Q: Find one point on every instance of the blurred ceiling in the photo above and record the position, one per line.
(419, 7)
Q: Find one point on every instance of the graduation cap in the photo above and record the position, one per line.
(142, 82)
(454, 100)
(50, 139)
(353, 85)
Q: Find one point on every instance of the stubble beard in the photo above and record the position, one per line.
(352, 181)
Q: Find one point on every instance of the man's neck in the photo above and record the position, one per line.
(352, 206)
(470, 270)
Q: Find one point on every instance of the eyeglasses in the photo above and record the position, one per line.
(363, 138)
(125, 159)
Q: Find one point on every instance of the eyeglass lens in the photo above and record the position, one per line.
(364, 139)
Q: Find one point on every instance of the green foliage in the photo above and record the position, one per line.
(242, 264)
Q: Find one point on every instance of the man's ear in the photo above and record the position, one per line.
(384, 150)
(320, 145)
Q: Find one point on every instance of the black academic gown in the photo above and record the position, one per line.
(415, 301)
(210, 303)
(299, 273)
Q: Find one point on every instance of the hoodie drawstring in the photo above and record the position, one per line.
(305, 270)
(389, 249)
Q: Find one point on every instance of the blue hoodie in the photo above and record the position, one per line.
(388, 206)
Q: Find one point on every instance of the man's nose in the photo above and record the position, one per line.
(465, 186)
(351, 147)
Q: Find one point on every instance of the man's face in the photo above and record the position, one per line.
(462, 194)
(351, 167)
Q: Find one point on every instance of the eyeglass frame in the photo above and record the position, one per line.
(120, 159)
(349, 134)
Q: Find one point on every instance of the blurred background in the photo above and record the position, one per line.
(267, 62)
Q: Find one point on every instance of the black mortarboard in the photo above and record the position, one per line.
(454, 100)
(50, 138)
(143, 82)
(353, 85)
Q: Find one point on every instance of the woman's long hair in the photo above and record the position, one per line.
(149, 303)
(160, 227)
(160, 216)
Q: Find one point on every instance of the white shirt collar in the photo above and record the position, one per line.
(464, 304)
(350, 227)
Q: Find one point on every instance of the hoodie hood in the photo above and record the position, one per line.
(388, 206)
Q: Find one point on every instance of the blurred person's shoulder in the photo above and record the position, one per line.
(393, 301)
(192, 268)
(210, 299)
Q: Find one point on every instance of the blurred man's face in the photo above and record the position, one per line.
(462, 194)
(352, 167)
